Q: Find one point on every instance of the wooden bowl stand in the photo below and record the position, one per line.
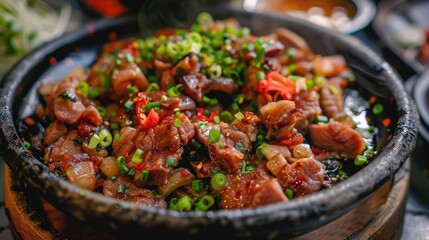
(378, 217)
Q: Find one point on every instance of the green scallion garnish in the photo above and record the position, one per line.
(377, 109)
(144, 176)
(214, 135)
(137, 156)
(105, 138)
(204, 203)
(94, 141)
(219, 181)
(197, 185)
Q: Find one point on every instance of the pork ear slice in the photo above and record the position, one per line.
(337, 137)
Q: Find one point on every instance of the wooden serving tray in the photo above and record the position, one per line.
(378, 217)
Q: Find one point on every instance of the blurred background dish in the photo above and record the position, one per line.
(403, 28)
(26, 24)
(346, 16)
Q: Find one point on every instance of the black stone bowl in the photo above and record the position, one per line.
(373, 75)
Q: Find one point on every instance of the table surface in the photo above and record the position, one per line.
(416, 222)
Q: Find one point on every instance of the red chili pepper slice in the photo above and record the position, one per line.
(150, 121)
(140, 166)
(278, 85)
(184, 173)
(202, 117)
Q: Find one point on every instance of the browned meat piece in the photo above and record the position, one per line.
(248, 125)
(304, 176)
(187, 65)
(235, 135)
(129, 75)
(252, 81)
(229, 158)
(91, 115)
(203, 165)
(131, 193)
(163, 66)
(54, 132)
(222, 84)
(194, 85)
(166, 79)
(250, 190)
(158, 144)
(64, 145)
(82, 174)
(278, 113)
(308, 103)
(331, 99)
(85, 129)
(126, 144)
(267, 193)
(291, 40)
(280, 118)
(104, 64)
(329, 66)
(186, 129)
(337, 137)
(274, 49)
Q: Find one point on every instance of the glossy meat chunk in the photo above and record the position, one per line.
(337, 137)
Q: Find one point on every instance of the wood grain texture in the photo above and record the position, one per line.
(378, 217)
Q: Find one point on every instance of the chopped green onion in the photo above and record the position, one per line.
(204, 203)
(227, 116)
(260, 76)
(113, 178)
(129, 57)
(259, 153)
(114, 126)
(244, 32)
(120, 162)
(173, 204)
(137, 156)
(177, 122)
(173, 92)
(94, 92)
(116, 137)
(172, 50)
(202, 123)
(144, 176)
(221, 145)
(128, 105)
(235, 107)
(219, 181)
(132, 89)
(310, 84)
(321, 119)
(184, 204)
(239, 116)
(378, 109)
(94, 141)
(360, 160)
(197, 185)
(153, 87)
(216, 119)
(82, 88)
(289, 193)
(177, 114)
(105, 138)
(215, 71)
(151, 105)
(27, 144)
(195, 144)
(214, 135)
(121, 188)
(101, 110)
(161, 50)
(170, 163)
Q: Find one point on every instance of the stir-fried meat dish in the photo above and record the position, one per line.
(206, 118)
